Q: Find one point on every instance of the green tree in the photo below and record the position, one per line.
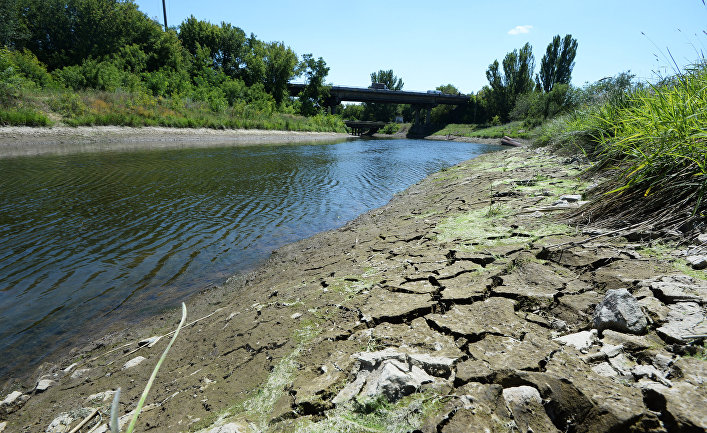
(516, 79)
(383, 112)
(315, 91)
(9, 25)
(66, 32)
(557, 63)
(227, 44)
(280, 67)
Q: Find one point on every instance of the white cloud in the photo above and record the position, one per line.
(518, 30)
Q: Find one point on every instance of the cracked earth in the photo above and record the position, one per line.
(468, 283)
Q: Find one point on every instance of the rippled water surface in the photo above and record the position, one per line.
(90, 238)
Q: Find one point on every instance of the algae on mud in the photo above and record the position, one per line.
(337, 283)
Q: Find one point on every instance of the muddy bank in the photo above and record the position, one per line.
(466, 301)
(18, 141)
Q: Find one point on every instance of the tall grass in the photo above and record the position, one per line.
(653, 140)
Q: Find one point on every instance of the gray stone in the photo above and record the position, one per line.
(3, 426)
(61, 423)
(697, 262)
(394, 374)
(44, 384)
(702, 239)
(629, 342)
(134, 362)
(525, 404)
(685, 318)
(604, 369)
(571, 198)
(620, 311)
(649, 371)
(682, 402)
(12, 402)
(230, 428)
(677, 288)
(581, 341)
(81, 372)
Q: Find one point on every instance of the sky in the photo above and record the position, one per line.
(432, 43)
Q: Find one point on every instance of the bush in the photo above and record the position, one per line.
(23, 117)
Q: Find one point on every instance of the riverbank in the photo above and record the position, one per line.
(468, 288)
(22, 141)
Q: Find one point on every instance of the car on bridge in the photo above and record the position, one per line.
(378, 86)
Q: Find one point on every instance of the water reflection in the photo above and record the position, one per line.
(105, 236)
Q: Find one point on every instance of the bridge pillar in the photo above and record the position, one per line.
(428, 112)
(417, 115)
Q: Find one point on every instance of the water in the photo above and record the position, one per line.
(87, 239)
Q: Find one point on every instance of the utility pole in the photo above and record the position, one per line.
(164, 11)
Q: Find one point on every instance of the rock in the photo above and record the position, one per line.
(61, 424)
(677, 288)
(473, 370)
(681, 403)
(12, 402)
(526, 406)
(81, 372)
(296, 316)
(149, 342)
(632, 343)
(383, 305)
(571, 198)
(702, 239)
(620, 311)
(649, 371)
(101, 396)
(393, 374)
(133, 362)
(581, 341)
(480, 408)
(3, 426)
(604, 369)
(684, 318)
(230, 428)
(697, 262)
(508, 353)
(43, 385)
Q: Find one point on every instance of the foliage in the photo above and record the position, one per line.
(390, 128)
(383, 112)
(23, 116)
(315, 91)
(652, 138)
(516, 79)
(515, 129)
(557, 63)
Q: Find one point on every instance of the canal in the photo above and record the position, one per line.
(93, 238)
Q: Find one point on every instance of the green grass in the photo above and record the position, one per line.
(95, 108)
(512, 129)
(23, 117)
(652, 140)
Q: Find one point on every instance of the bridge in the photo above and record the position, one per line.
(419, 100)
(362, 127)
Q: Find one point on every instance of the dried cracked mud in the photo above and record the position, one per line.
(469, 283)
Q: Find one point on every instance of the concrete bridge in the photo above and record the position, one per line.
(419, 100)
(363, 127)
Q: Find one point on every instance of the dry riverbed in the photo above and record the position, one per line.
(20, 141)
(466, 302)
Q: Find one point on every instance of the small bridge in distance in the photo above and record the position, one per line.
(361, 127)
(418, 100)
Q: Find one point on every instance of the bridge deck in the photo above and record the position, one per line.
(357, 94)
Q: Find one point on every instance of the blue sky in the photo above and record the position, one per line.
(429, 43)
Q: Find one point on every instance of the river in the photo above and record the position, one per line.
(93, 238)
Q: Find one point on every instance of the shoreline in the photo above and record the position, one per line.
(27, 141)
(397, 278)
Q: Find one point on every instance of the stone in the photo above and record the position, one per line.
(101, 396)
(149, 342)
(650, 372)
(604, 369)
(393, 373)
(61, 423)
(619, 311)
(681, 402)
(508, 353)
(632, 343)
(526, 406)
(473, 370)
(81, 372)
(581, 341)
(677, 288)
(571, 198)
(12, 402)
(480, 407)
(3, 426)
(134, 362)
(697, 262)
(230, 428)
(684, 319)
(44, 384)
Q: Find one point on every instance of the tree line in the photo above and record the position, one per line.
(111, 45)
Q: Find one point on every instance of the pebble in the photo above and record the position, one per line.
(44, 384)
(134, 362)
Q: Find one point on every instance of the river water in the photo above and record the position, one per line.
(90, 238)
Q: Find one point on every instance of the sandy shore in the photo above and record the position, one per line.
(467, 288)
(21, 141)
